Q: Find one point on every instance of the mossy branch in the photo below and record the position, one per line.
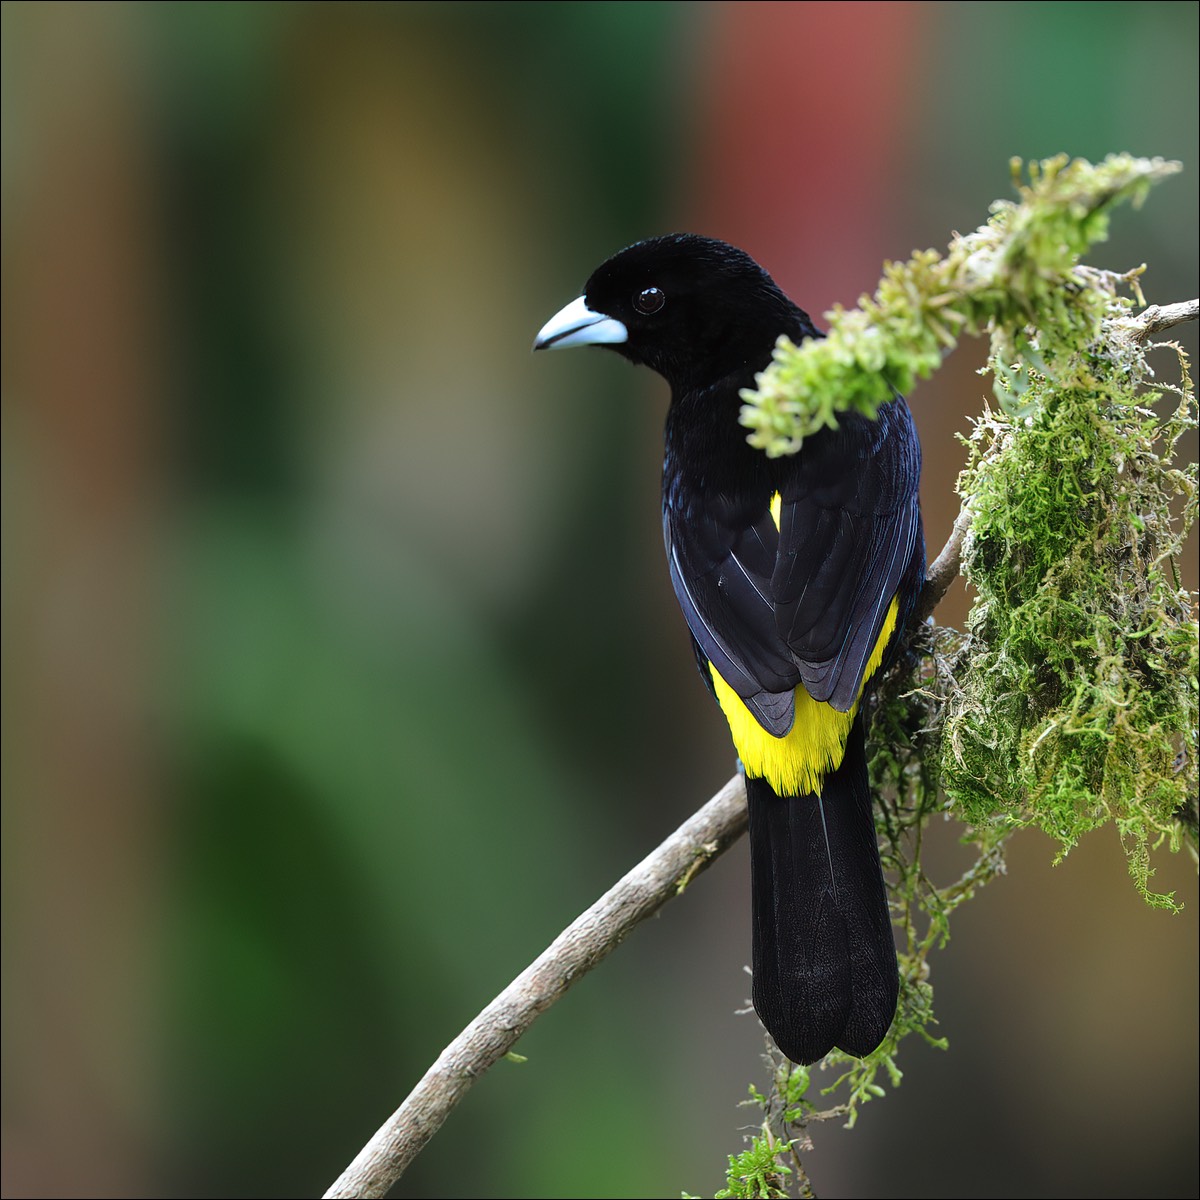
(1070, 699)
(1076, 703)
(1014, 278)
(664, 874)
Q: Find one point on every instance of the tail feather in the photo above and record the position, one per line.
(824, 960)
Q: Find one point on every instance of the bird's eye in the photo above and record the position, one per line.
(649, 301)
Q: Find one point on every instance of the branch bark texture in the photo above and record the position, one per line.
(1160, 317)
(663, 873)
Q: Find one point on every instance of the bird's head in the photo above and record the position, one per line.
(691, 308)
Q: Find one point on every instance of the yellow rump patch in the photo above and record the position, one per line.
(797, 763)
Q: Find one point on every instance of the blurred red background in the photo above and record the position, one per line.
(316, 730)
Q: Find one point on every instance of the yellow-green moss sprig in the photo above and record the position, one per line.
(1011, 276)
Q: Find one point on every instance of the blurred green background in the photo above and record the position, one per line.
(341, 669)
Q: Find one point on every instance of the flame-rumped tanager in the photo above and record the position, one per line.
(796, 576)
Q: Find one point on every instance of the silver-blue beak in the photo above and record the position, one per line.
(578, 325)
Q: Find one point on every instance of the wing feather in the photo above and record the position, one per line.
(772, 607)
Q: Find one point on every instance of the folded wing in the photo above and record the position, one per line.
(805, 602)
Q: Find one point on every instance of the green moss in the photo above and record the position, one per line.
(1016, 272)
(758, 1173)
(1075, 703)
(1071, 698)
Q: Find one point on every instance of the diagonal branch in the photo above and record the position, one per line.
(662, 874)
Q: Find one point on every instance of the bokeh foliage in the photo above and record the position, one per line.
(271, 272)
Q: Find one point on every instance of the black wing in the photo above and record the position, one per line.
(804, 603)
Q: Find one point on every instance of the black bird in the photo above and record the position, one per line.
(796, 576)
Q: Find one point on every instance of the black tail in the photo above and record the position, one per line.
(824, 960)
